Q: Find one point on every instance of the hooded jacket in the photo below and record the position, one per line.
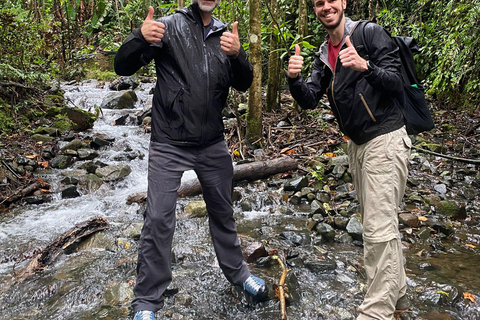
(193, 77)
(365, 106)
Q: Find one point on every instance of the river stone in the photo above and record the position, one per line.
(134, 231)
(42, 138)
(296, 184)
(77, 173)
(324, 197)
(408, 219)
(326, 231)
(321, 266)
(119, 100)
(124, 83)
(341, 222)
(355, 228)
(440, 188)
(73, 145)
(118, 293)
(343, 238)
(469, 193)
(61, 161)
(82, 120)
(90, 182)
(196, 209)
(53, 132)
(70, 192)
(338, 161)
(87, 154)
(449, 208)
(112, 173)
(254, 251)
(296, 238)
(97, 143)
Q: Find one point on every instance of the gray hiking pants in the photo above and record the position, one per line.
(214, 169)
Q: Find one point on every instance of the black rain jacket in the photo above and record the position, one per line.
(193, 78)
(364, 106)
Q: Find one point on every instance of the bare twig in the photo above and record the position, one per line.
(464, 160)
(281, 289)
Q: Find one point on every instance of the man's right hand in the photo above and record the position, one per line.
(152, 30)
(295, 63)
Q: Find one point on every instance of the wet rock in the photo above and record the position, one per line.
(321, 266)
(296, 184)
(468, 193)
(98, 143)
(123, 120)
(90, 182)
(355, 228)
(89, 166)
(87, 154)
(343, 238)
(124, 83)
(119, 100)
(408, 219)
(82, 120)
(42, 138)
(183, 299)
(451, 209)
(61, 162)
(246, 205)
(296, 238)
(324, 197)
(341, 222)
(37, 199)
(70, 180)
(439, 225)
(70, 192)
(53, 132)
(424, 233)
(440, 188)
(147, 113)
(326, 231)
(134, 231)
(118, 293)
(113, 173)
(337, 161)
(73, 145)
(254, 251)
(196, 209)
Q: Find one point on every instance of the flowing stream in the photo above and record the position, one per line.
(94, 279)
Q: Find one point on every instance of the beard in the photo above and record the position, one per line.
(207, 8)
(334, 25)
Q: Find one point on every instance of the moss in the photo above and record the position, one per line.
(62, 123)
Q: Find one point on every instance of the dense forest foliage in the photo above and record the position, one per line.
(49, 41)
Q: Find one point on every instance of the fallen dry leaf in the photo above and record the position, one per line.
(470, 246)
(421, 218)
(469, 296)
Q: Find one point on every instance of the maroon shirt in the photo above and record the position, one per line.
(333, 51)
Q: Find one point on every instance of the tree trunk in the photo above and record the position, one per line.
(274, 62)
(181, 4)
(254, 115)
(302, 19)
(246, 171)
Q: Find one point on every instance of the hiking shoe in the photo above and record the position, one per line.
(403, 303)
(144, 315)
(255, 287)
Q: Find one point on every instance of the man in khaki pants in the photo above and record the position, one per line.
(362, 95)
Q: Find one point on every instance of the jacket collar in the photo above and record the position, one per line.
(350, 25)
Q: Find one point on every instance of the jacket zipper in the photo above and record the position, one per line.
(333, 82)
(366, 107)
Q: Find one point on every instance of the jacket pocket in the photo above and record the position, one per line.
(175, 108)
(366, 107)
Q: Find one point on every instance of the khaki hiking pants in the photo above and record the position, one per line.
(379, 168)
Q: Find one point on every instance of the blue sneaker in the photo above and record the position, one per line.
(144, 315)
(255, 287)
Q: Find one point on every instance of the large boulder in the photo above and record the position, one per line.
(119, 100)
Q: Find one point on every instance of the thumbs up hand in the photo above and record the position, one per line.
(295, 63)
(350, 58)
(152, 30)
(229, 41)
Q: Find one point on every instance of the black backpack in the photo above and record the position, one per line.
(417, 115)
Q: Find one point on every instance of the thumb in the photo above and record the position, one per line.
(235, 28)
(297, 50)
(348, 42)
(150, 13)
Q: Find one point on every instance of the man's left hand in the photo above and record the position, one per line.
(229, 41)
(350, 58)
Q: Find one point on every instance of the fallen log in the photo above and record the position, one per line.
(247, 171)
(48, 255)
